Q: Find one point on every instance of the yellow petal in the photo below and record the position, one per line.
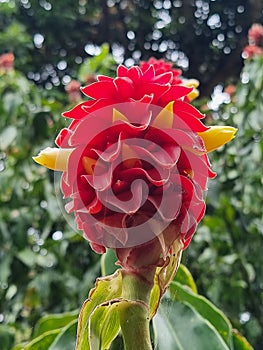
(217, 136)
(193, 95)
(116, 115)
(191, 83)
(165, 118)
(54, 158)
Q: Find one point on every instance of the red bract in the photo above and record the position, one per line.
(255, 35)
(250, 51)
(160, 67)
(7, 61)
(138, 169)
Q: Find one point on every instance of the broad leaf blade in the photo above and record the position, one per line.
(183, 276)
(205, 308)
(66, 339)
(55, 321)
(7, 337)
(240, 342)
(42, 342)
(177, 326)
(7, 136)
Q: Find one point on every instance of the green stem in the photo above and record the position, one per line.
(134, 313)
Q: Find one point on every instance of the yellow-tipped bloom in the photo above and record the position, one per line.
(165, 118)
(135, 164)
(57, 158)
(191, 83)
(54, 158)
(217, 136)
(193, 95)
(194, 83)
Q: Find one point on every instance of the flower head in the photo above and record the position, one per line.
(73, 90)
(255, 42)
(161, 67)
(230, 89)
(250, 51)
(135, 164)
(255, 35)
(7, 61)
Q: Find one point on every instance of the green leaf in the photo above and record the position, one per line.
(51, 322)
(117, 343)
(96, 64)
(183, 276)
(11, 102)
(5, 268)
(27, 256)
(42, 342)
(56, 339)
(6, 337)
(178, 326)
(104, 325)
(240, 342)
(91, 65)
(30, 258)
(106, 289)
(7, 136)
(108, 263)
(66, 339)
(205, 308)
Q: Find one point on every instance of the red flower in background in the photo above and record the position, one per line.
(255, 35)
(7, 61)
(250, 51)
(73, 91)
(160, 67)
(230, 89)
(255, 40)
(136, 165)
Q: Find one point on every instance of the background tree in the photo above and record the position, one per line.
(203, 37)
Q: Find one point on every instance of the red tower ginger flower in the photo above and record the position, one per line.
(250, 51)
(73, 90)
(255, 42)
(135, 165)
(230, 89)
(7, 62)
(160, 67)
(255, 35)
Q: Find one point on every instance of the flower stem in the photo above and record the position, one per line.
(134, 312)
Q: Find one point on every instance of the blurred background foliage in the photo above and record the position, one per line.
(225, 256)
(45, 265)
(203, 37)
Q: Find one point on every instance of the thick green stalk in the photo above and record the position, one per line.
(134, 312)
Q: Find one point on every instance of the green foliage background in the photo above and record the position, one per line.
(225, 256)
(45, 266)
